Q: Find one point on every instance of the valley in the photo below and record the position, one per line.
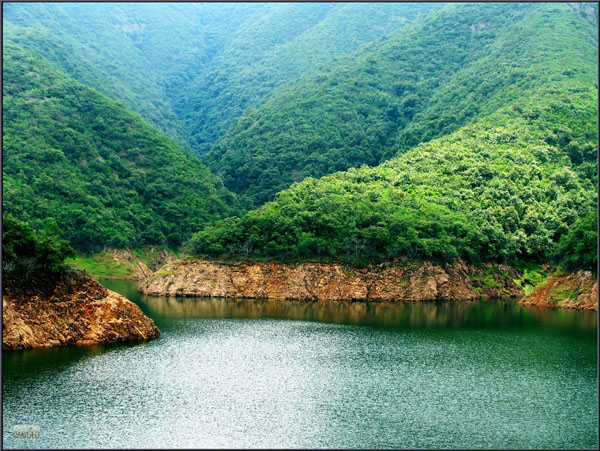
(378, 218)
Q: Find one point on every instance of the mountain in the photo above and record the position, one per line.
(103, 174)
(125, 51)
(438, 131)
(447, 68)
(502, 188)
(488, 117)
(191, 69)
(271, 52)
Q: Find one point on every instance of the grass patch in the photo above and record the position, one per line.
(562, 293)
(409, 264)
(104, 265)
(163, 271)
(532, 278)
(486, 280)
(150, 255)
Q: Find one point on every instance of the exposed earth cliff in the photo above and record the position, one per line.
(573, 290)
(79, 311)
(400, 281)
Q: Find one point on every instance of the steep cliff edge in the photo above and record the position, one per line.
(400, 281)
(572, 290)
(78, 311)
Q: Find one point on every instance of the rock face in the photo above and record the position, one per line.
(80, 311)
(576, 290)
(399, 281)
(586, 10)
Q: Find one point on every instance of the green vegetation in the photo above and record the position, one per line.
(500, 189)
(192, 69)
(439, 131)
(273, 51)
(103, 265)
(104, 175)
(562, 293)
(485, 281)
(532, 275)
(126, 51)
(514, 164)
(578, 248)
(120, 264)
(29, 257)
(446, 69)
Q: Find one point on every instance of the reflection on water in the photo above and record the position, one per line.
(229, 373)
(498, 313)
(501, 313)
(40, 359)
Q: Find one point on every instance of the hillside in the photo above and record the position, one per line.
(191, 69)
(464, 130)
(503, 188)
(126, 51)
(285, 42)
(103, 174)
(446, 69)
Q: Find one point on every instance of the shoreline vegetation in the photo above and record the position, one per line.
(545, 285)
(46, 303)
(79, 311)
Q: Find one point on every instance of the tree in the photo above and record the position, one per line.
(577, 249)
(27, 256)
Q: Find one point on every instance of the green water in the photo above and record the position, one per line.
(262, 374)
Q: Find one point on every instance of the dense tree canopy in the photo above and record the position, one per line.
(27, 256)
(501, 189)
(272, 51)
(191, 69)
(578, 249)
(126, 51)
(462, 130)
(444, 70)
(106, 177)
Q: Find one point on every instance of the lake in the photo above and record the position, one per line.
(272, 374)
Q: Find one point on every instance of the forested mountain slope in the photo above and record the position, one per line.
(127, 51)
(192, 69)
(107, 177)
(446, 69)
(505, 187)
(486, 113)
(286, 42)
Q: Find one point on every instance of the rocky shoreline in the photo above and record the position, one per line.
(399, 281)
(79, 311)
(577, 290)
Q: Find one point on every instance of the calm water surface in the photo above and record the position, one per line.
(262, 374)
